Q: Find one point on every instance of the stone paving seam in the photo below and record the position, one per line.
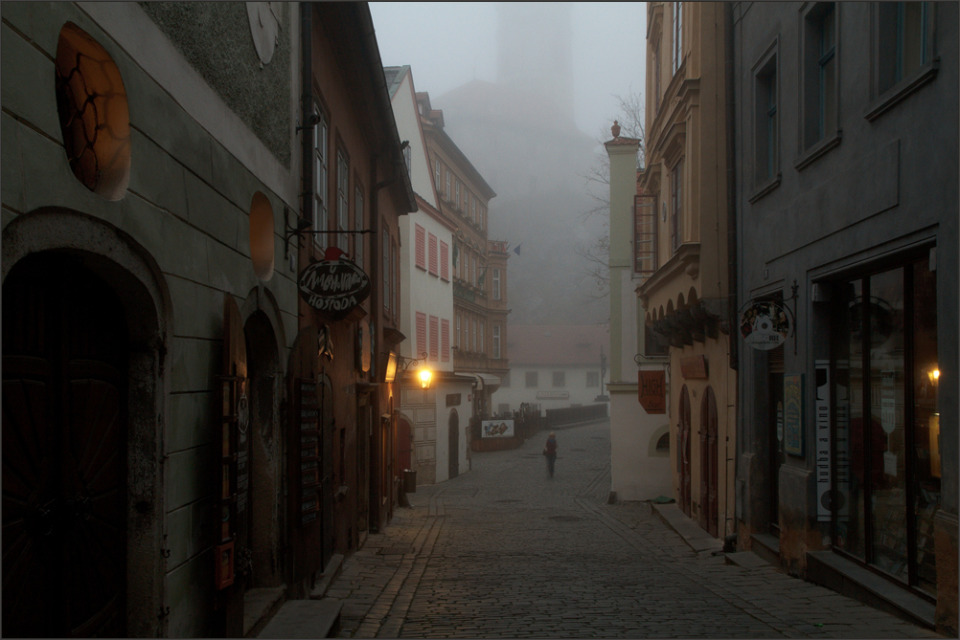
(401, 604)
(639, 543)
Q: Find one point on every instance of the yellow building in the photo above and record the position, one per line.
(682, 221)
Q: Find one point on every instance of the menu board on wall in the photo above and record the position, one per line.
(309, 422)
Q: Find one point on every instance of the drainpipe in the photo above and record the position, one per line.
(306, 111)
(732, 288)
(731, 187)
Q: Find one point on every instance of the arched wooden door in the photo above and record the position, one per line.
(708, 463)
(65, 357)
(453, 439)
(684, 462)
(264, 491)
(404, 444)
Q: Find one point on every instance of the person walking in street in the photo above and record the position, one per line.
(550, 451)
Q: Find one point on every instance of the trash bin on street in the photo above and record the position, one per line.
(409, 481)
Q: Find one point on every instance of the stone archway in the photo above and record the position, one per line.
(264, 494)
(115, 285)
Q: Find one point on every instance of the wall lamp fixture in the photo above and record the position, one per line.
(399, 364)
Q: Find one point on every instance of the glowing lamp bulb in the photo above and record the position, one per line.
(425, 377)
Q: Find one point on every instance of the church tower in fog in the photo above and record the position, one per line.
(534, 43)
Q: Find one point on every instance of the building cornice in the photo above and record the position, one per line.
(686, 261)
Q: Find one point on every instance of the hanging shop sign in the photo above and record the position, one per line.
(497, 428)
(652, 388)
(765, 325)
(334, 287)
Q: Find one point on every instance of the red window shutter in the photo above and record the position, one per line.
(444, 260)
(445, 340)
(421, 334)
(433, 254)
(434, 337)
(420, 233)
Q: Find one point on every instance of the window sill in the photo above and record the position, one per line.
(901, 90)
(765, 188)
(817, 150)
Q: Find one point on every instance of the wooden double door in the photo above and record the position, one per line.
(65, 357)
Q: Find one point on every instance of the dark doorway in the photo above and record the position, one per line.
(708, 463)
(684, 450)
(404, 444)
(65, 366)
(453, 427)
(263, 524)
(775, 432)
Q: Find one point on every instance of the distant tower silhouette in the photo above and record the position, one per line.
(534, 42)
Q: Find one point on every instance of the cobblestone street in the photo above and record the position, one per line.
(505, 551)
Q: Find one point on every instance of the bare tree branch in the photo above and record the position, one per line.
(597, 180)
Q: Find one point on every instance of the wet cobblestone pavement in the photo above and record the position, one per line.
(504, 551)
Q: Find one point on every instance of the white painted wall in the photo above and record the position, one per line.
(576, 386)
(637, 470)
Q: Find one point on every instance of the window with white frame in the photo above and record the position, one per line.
(496, 342)
(496, 284)
(559, 379)
(420, 246)
(444, 261)
(482, 332)
(445, 340)
(432, 258)
(343, 211)
(421, 333)
(434, 338)
(320, 141)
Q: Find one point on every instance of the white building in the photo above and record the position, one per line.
(554, 366)
(639, 439)
(432, 436)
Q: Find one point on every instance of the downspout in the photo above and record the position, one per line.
(306, 111)
(732, 288)
(731, 188)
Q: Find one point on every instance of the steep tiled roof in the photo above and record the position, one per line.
(557, 345)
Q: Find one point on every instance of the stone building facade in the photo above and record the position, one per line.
(847, 198)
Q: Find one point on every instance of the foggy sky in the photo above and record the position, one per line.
(529, 90)
(448, 44)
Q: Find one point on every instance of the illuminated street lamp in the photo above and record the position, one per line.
(399, 364)
(426, 376)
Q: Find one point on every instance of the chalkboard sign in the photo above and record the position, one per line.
(310, 445)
